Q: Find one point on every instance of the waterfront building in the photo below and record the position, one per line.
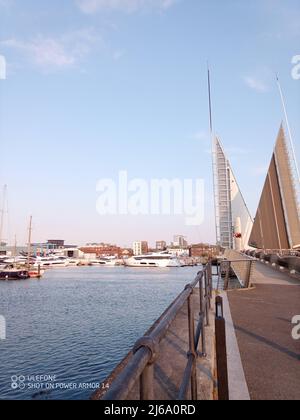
(56, 243)
(204, 250)
(179, 241)
(178, 251)
(140, 248)
(103, 250)
(161, 245)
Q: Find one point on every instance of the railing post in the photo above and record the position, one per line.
(226, 282)
(207, 298)
(192, 351)
(248, 274)
(210, 285)
(147, 383)
(202, 316)
(221, 351)
(147, 376)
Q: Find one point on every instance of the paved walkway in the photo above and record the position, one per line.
(262, 320)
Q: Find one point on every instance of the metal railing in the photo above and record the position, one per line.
(280, 252)
(242, 270)
(241, 266)
(146, 350)
(221, 351)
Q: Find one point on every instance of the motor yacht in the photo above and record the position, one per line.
(154, 260)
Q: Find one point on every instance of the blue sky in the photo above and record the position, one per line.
(98, 86)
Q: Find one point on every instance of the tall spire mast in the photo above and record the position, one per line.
(289, 131)
(210, 102)
(213, 155)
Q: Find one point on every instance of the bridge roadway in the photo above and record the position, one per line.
(262, 319)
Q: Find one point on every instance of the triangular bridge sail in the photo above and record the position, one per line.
(277, 222)
(233, 219)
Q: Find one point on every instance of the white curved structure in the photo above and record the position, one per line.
(233, 219)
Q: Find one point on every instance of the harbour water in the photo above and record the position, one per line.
(67, 331)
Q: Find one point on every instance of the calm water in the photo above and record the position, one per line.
(75, 325)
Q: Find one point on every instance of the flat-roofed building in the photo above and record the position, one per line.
(140, 248)
(161, 245)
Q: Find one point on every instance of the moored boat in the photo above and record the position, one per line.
(104, 261)
(14, 274)
(155, 260)
(36, 274)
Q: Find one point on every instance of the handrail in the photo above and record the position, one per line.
(244, 276)
(190, 373)
(145, 351)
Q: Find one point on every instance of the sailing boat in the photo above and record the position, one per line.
(34, 273)
(9, 272)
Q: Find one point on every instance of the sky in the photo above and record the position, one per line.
(95, 87)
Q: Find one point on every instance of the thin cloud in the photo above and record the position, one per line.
(125, 6)
(282, 20)
(56, 53)
(260, 170)
(118, 55)
(256, 84)
(6, 3)
(201, 136)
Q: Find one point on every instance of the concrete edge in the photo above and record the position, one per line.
(238, 388)
(280, 269)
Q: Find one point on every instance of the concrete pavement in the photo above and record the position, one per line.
(262, 321)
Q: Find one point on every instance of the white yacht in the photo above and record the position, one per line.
(104, 261)
(155, 260)
(51, 262)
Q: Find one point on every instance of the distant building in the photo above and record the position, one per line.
(73, 253)
(179, 241)
(103, 250)
(56, 243)
(204, 250)
(140, 248)
(161, 245)
(127, 252)
(179, 251)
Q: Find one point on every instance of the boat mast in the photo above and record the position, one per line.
(2, 211)
(29, 242)
(15, 248)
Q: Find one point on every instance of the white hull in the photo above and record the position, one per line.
(103, 263)
(153, 263)
(51, 263)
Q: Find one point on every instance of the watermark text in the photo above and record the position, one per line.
(296, 67)
(2, 67)
(296, 329)
(139, 197)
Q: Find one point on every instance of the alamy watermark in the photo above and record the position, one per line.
(296, 67)
(296, 329)
(139, 197)
(2, 67)
(2, 328)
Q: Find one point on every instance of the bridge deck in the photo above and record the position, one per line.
(262, 320)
